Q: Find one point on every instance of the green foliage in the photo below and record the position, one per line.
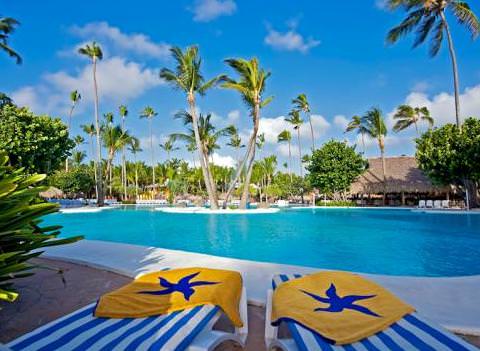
(38, 143)
(21, 235)
(449, 155)
(336, 203)
(76, 180)
(334, 167)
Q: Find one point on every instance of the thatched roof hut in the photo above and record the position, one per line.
(52, 193)
(402, 174)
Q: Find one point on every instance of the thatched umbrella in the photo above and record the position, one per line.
(52, 192)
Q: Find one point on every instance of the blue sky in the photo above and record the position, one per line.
(334, 52)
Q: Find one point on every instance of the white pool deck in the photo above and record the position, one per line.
(203, 210)
(451, 302)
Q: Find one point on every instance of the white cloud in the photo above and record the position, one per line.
(224, 161)
(136, 42)
(207, 10)
(421, 86)
(233, 116)
(381, 4)
(289, 41)
(119, 81)
(341, 122)
(271, 127)
(442, 105)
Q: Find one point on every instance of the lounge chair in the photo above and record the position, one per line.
(189, 329)
(421, 204)
(410, 333)
(437, 204)
(445, 204)
(429, 204)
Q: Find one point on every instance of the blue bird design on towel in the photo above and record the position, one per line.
(338, 304)
(183, 286)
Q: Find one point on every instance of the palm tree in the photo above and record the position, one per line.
(148, 113)
(7, 27)
(251, 86)
(78, 140)
(78, 157)
(74, 99)
(134, 148)
(188, 78)
(235, 142)
(114, 139)
(90, 130)
(407, 115)
(168, 146)
(375, 128)
(301, 103)
(357, 123)
(192, 147)
(296, 121)
(427, 17)
(269, 165)
(286, 137)
(123, 110)
(94, 52)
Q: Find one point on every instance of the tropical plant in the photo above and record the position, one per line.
(89, 129)
(251, 86)
(114, 139)
(188, 78)
(296, 121)
(94, 53)
(5, 100)
(21, 233)
(134, 148)
(406, 116)
(37, 143)
(286, 137)
(74, 99)
(123, 110)
(78, 157)
(149, 113)
(450, 155)
(375, 128)
(269, 167)
(78, 180)
(357, 123)
(7, 27)
(428, 18)
(168, 146)
(334, 167)
(235, 142)
(301, 103)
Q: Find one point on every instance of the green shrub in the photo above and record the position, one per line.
(77, 180)
(338, 203)
(21, 235)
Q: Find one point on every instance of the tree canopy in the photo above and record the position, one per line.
(334, 167)
(37, 143)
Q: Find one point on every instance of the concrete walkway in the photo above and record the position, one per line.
(451, 302)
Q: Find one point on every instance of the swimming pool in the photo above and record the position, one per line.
(382, 241)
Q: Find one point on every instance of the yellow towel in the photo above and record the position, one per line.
(168, 291)
(340, 306)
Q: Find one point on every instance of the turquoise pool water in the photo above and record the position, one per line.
(394, 242)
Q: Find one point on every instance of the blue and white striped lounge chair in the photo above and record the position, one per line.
(410, 333)
(189, 329)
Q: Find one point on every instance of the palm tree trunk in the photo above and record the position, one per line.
(68, 128)
(300, 151)
(203, 164)
(124, 165)
(136, 178)
(152, 152)
(363, 143)
(92, 151)
(384, 169)
(454, 68)
(99, 183)
(290, 159)
(238, 172)
(253, 139)
(311, 131)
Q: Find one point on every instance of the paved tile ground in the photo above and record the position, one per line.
(45, 297)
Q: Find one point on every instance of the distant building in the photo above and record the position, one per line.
(405, 183)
